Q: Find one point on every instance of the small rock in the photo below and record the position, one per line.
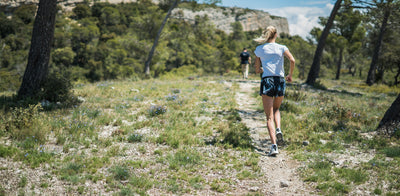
(254, 189)
(323, 141)
(306, 143)
(81, 99)
(284, 183)
(335, 162)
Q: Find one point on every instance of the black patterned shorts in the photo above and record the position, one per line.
(273, 86)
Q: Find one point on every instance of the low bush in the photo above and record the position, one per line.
(156, 110)
(236, 135)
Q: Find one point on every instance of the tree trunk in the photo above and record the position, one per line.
(390, 122)
(153, 48)
(371, 73)
(339, 65)
(39, 54)
(380, 73)
(396, 81)
(314, 71)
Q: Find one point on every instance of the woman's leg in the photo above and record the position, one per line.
(268, 103)
(277, 113)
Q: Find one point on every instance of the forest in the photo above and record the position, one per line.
(112, 41)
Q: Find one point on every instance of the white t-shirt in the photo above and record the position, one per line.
(271, 56)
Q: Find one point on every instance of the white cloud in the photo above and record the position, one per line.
(316, 2)
(302, 19)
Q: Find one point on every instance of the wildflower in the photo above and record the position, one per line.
(26, 154)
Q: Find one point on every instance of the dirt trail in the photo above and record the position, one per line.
(280, 171)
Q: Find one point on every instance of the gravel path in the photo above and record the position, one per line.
(280, 171)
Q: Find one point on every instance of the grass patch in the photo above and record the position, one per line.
(141, 183)
(183, 158)
(120, 172)
(334, 188)
(352, 175)
(7, 151)
(135, 138)
(392, 151)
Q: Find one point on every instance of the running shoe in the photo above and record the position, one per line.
(279, 136)
(274, 150)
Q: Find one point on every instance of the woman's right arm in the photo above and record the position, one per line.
(292, 64)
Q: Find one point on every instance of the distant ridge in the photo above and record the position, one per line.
(222, 17)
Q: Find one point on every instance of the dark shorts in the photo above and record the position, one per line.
(273, 86)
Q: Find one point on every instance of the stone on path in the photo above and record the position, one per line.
(284, 183)
(254, 189)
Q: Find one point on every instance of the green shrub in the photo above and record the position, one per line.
(63, 56)
(318, 85)
(352, 175)
(322, 171)
(126, 191)
(57, 88)
(183, 157)
(245, 174)
(26, 123)
(135, 138)
(7, 151)
(295, 95)
(236, 135)
(82, 10)
(22, 183)
(141, 182)
(35, 157)
(70, 172)
(120, 172)
(288, 106)
(183, 71)
(334, 188)
(155, 110)
(377, 191)
(26, 13)
(9, 81)
(23, 117)
(337, 112)
(392, 151)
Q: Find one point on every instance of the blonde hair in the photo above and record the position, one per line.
(267, 34)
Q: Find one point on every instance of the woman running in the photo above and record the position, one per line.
(269, 62)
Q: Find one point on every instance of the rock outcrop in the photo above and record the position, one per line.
(221, 17)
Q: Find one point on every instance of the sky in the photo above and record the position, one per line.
(302, 15)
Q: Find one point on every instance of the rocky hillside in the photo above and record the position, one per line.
(222, 17)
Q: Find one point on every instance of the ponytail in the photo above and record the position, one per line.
(267, 34)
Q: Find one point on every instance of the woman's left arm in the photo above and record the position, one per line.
(257, 65)
(292, 64)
